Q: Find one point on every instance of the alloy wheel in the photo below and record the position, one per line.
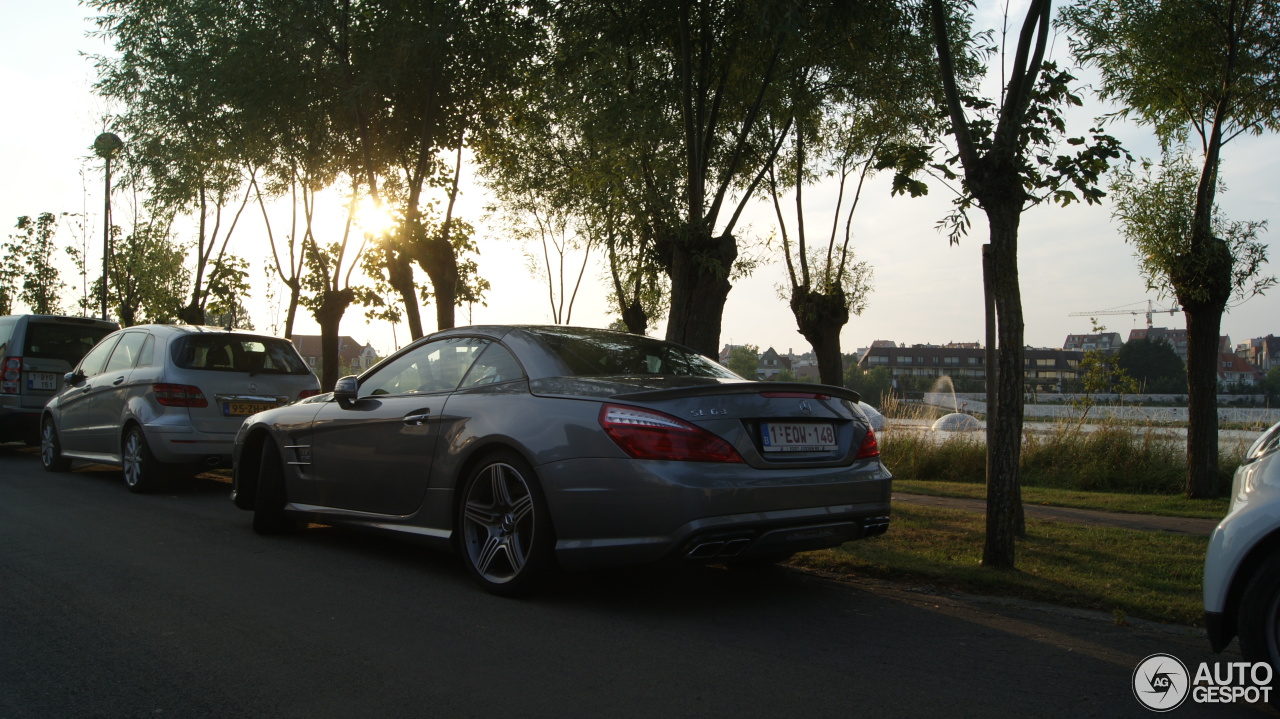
(499, 523)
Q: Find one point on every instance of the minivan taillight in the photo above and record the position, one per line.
(12, 374)
(179, 395)
(307, 393)
(869, 447)
(645, 434)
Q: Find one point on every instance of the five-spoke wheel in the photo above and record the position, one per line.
(140, 468)
(506, 535)
(51, 449)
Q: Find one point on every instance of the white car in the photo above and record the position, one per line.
(1242, 566)
(152, 399)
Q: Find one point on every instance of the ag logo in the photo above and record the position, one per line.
(1161, 682)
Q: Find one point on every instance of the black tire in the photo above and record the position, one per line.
(505, 529)
(269, 516)
(51, 448)
(1259, 621)
(142, 471)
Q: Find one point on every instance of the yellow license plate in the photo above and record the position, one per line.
(244, 409)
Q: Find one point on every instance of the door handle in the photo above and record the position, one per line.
(417, 419)
(118, 382)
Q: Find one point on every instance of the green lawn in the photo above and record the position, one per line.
(1151, 575)
(1164, 505)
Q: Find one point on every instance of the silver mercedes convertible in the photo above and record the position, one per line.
(532, 449)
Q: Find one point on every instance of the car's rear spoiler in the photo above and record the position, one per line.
(745, 387)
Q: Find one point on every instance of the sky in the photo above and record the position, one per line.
(1071, 259)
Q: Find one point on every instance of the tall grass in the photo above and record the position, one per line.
(1109, 457)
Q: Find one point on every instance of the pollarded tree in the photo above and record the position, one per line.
(1007, 150)
(1206, 68)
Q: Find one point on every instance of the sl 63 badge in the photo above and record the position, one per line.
(706, 412)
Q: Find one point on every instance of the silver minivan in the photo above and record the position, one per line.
(156, 399)
(35, 352)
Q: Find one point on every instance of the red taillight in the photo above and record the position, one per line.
(179, 395)
(645, 434)
(869, 448)
(307, 393)
(12, 374)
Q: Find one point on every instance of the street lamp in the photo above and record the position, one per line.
(106, 146)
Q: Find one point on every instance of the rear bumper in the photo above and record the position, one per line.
(610, 512)
(19, 423)
(182, 444)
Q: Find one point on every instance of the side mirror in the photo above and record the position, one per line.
(73, 377)
(345, 391)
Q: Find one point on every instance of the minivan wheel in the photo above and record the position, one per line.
(140, 468)
(51, 449)
(507, 542)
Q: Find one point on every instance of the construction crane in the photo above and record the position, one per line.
(1148, 312)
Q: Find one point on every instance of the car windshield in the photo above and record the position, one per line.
(237, 353)
(69, 342)
(615, 354)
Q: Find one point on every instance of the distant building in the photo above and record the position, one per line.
(1043, 369)
(1106, 341)
(1262, 352)
(353, 357)
(1234, 370)
(771, 363)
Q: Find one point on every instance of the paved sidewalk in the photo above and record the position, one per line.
(1089, 517)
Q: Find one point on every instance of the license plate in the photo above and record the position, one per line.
(244, 409)
(798, 437)
(42, 380)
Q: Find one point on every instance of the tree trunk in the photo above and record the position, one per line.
(329, 317)
(820, 317)
(699, 269)
(634, 317)
(1203, 326)
(400, 277)
(1004, 501)
(295, 290)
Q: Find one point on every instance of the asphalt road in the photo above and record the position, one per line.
(167, 605)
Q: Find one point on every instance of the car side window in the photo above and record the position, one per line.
(434, 367)
(93, 362)
(126, 352)
(494, 365)
(147, 352)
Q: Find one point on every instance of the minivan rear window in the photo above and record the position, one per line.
(56, 340)
(232, 353)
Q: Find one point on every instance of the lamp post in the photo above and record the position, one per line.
(106, 146)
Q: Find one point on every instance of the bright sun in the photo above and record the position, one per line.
(373, 218)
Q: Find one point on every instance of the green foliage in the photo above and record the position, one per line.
(1157, 210)
(148, 279)
(874, 384)
(1183, 64)
(30, 257)
(744, 360)
(1272, 383)
(1154, 365)
(228, 288)
(1100, 373)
